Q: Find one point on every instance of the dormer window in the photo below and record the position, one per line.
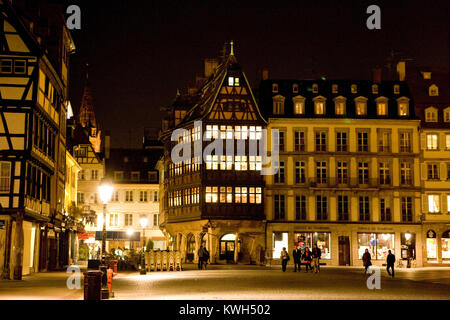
(274, 87)
(396, 89)
(278, 105)
(403, 107)
(295, 88)
(374, 89)
(354, 88)
(426, 75)
(334, 88)
(315, 88)
(447, 119)
(125, 159)
(319, 105)
(382, 106)
(431, 114)
(361, 106)
(433, 91)
(233, 81)
(339, 105)
(299, 105)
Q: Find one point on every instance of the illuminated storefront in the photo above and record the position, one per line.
(309, 239)
(280, 241)
(431, 246)
(378, 244)
(445, 243)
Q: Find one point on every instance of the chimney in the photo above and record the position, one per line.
(376, 74)
(107, 144)
(265, 74)
(401, 70)
(210, 66)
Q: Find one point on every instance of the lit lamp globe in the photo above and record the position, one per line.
(106, 190)
(143, 221)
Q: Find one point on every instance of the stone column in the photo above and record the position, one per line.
(183, 248)
(7, 257)
(197, 246)
(18, 248)
(236, 256)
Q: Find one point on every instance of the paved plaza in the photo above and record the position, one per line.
(229, 282)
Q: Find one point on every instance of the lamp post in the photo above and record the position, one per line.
(143, 221)
(105, 190)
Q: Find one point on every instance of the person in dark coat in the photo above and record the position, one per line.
(307, 257)
(205, 257)
(316, 254)
(284, 259)
(297, 256)
(390, 260)
(200, 258)
(366, 260)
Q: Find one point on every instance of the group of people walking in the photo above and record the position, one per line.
(309, 258)
(390, 260)
(203, 257)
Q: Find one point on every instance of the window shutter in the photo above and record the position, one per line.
(424, 203)
(423, 169)
(443, 171)
(423, 141)
(442, 142)
(444, 208)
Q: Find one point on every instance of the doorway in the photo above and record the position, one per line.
(227, 247)
(344, 251)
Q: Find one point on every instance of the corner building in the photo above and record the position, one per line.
(348, 177)
(217, 202)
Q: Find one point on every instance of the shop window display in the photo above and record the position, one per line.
(445, 242)
(378, 244)
(431, 245)
(280, 240)
(309, 239)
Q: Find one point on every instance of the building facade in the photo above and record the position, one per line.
(219, 206)
(430, 89)
(349, 174)
(33, 83)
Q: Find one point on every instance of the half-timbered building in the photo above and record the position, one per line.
(33, 95)
(215, 199)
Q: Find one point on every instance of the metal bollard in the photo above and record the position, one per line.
(92, 285)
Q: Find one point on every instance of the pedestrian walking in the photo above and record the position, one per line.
(200, 257)
(390, 260)
(316, 254)
(205, 257)
(297, 256)
(284, 259)
(307, 257)
(367, 260)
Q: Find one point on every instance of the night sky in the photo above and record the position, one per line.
(140, 52)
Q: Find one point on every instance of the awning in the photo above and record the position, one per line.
(118, 235)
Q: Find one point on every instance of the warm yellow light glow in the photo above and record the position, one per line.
(143, 221)
(106, 190)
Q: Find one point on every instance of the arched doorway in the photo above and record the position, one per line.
(190, 248)
(227, 247)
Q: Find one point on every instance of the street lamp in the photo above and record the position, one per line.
(105, 189)
(143, 221)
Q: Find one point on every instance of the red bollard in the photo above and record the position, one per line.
(110, 274)
(114, 265)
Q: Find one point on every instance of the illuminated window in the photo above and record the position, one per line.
(278, 105)
(431, 114)
(211, 194)
(339, 106)
(274, 87)
(226, 132)
(447, 115)
(254, 195)
(212, 131)
(403, 108)
(382, 107)
(447, 141)
(240, 194)
(241, 132)
(315, 88)
(432, 141)
(230, 81)
(433, 203)
(226, 162)
(334, 88)
(255, 162)
(240, 163)
(433, 91)
(255, 132)
(319, 107)
(361, 108)
(299, 105)
(236, 82)
(295, 88)
(374, 89)
(226, 194)
(396, 89)
(354, 88)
